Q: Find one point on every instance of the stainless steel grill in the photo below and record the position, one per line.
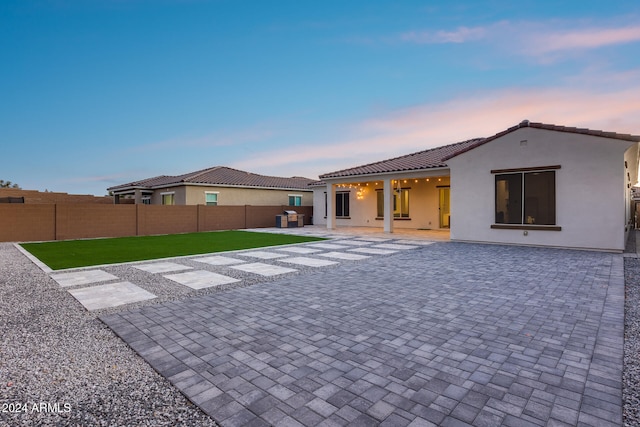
(290, 219)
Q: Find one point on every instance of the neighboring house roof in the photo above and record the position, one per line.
(557, 128)
(219, 175)
(426, 159)
(437, 157)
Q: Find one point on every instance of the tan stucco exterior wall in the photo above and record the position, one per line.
(423, 203)
(179, 195)
(232, 196)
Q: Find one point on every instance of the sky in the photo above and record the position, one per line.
(97, 93)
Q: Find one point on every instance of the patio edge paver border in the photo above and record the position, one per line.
(607, 361)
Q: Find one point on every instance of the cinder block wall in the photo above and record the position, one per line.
(27, 223)
(222, 217)
(41, 197)
(43, 222)
(158, 219)
(82, 221)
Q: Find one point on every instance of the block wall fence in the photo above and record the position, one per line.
(44, 222)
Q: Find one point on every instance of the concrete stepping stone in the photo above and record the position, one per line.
(373, 251)
(328, 246)
(344, 255)
(373, 239)
(83, 277)
(355, 242)
(394, 246)
(201, 279)
(309, 262)
(299, 250)
(161, 267)
(263, 254)
(263, 269)
(110, 295)
(219, 260)
(414, 242)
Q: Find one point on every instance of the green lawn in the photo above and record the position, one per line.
(82, 253)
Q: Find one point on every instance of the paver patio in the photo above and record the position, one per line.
(445, 334)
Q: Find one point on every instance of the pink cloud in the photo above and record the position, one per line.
(542, 40)
(590, 38)
(431, 125)
(459, 35)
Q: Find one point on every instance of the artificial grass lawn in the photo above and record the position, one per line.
(83, 253)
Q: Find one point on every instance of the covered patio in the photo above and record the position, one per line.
(410, 192)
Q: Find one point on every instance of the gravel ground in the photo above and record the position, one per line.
(631, 373)
(60, 365)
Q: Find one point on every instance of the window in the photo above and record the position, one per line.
(295, 200)
(325, 204)
(401, 203)
(146, 200)
(342, 204)
(527, 197)
(168, 198)
(211, 199)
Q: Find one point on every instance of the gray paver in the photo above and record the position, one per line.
(263, 269)
(373, 251)
(82, 277)
(298, 250)
(394, 246)
(309, 262)
(219, 260)
(200, 279)
(328, 246)
(110, 295)
(443, 334)
(263, 254)
(161, 267)
(344, 255)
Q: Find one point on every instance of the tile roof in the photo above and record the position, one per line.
(426, 159)
(219, 175)
(557, 128)
(437, 157)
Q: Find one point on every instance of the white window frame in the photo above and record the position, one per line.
(211, 192)
(168, 193)
(346, 207)
(297, 196)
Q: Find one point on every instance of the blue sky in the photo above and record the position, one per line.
(95, 93)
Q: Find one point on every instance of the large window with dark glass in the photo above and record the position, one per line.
(526, 198)
(342, 204)
(400, 203)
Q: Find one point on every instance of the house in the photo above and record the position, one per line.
(532, 184)
(221, 186)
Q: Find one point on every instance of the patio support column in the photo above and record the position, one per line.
(387, 190)
(331, 210)
(137, 196)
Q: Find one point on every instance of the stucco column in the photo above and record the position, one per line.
(331, 210)
(387, 190)
(138, 196)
